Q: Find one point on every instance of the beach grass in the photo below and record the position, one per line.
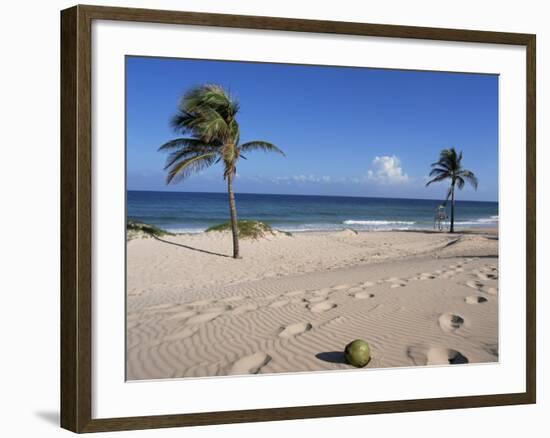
(135, 229)
(250, 229)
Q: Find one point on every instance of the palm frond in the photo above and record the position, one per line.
(211, 96)
(213, 129)
(439, 171)
(182, 169)
(441, 163)
(448, 159)
(260, 146)
(181, 143)
(470, 177)
(438, 178)
(189, 152)
(183, 122)
(234, 131)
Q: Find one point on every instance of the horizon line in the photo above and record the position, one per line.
(294, 194)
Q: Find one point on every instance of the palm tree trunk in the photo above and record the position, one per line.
(233, 214)
(452, 230)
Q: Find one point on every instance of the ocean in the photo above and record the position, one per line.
(183, 212)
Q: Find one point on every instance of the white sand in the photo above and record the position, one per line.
(292, 303)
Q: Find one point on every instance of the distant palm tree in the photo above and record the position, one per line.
(207, 117)
(449, 166)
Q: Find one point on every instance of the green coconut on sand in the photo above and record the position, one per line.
(358, 353)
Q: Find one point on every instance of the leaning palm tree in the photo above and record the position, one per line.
(206, 116)
(449, 166)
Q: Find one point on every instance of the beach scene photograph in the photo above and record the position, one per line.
(287, 218)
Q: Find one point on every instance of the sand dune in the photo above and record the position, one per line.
(293, 303)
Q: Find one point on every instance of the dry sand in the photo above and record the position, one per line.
(292, 303)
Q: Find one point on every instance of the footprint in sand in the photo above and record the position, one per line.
(316, 299)
(426, 276)
(294, 293)
(449, 322)
(279, 303)
(485, 277)
(400, 284)
(182, 334)
(368, 284)
(475, 300)
(244, 308)
(474, 284)
(341, 287)
(159, 307)
(295, 329)
(492, 290)
(217, 309)
(321, 307)
(203, 318)
(232, 299)
(436, 356)
(200, 303)
(363, 295)
(183, 315)
(446, 275)
(250, 364)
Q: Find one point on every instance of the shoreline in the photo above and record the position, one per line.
(489, 228)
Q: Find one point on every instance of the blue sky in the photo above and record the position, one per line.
(345, 131)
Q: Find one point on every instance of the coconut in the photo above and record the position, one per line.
(358, 353)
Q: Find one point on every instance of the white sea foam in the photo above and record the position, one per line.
(378, 222)
(481, 221)
(185, 230)
(360, 225)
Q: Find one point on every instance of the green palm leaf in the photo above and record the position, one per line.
(260, 146)
(182, 169)
(182, 143)
(438, 178)
(470, 177)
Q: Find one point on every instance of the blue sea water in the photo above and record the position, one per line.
(194, 212)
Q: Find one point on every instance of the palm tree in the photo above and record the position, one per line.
(449, 166)
(206, 116)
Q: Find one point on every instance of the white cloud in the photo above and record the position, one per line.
(387, 170)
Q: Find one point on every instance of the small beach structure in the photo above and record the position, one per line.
(440, 217)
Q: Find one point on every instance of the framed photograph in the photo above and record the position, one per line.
(270, 218)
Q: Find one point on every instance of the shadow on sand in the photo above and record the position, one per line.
(332, 356)
(191, 248)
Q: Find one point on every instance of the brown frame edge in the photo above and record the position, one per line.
(76, 168)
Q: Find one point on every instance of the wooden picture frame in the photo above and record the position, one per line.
(76, 218)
